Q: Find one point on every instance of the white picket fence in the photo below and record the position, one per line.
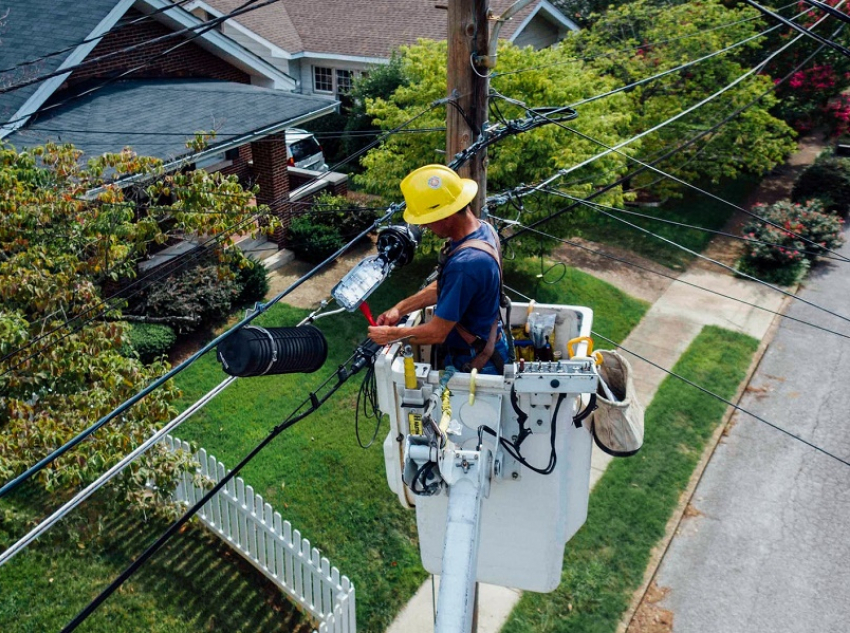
(259, 534)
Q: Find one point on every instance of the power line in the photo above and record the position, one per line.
(524, 190)
(284, 197)
(821, 40)
(732, 236)
(633, 264)
(113, 472)
(148, 61)
(709, 194)
(314, 402)
(647, 45)
(119, 25)
(260, 308)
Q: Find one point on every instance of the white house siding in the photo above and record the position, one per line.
(539, 33)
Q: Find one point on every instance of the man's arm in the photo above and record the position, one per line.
(435, 331)
(422, 299)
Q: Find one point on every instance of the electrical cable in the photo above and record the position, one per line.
(147, 62)
(600, 208)
(732, 236)
(432, 106)
(367, 406)
(757, 68)
(672, 278)
(821, 40)
(177, 265)
(676, 69)
(314, 402)
(260, 309)
(828, 9)
(528, 123)
(709, 393)
(709, 194)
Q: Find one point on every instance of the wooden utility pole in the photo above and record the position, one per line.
(468, 36)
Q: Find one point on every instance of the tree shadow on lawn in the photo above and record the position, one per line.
(197, 577)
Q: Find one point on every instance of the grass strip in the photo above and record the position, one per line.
(630, 506)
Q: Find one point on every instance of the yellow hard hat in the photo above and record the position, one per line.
(434, 192)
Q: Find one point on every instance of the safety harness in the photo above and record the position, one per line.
(483, 349)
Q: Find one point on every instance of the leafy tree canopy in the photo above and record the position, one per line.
(61, 367)
(640, 39)
(525, 158)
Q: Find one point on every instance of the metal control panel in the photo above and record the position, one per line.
(571, 376)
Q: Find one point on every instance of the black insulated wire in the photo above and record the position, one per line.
(818, 38)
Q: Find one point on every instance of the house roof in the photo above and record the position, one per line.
(156, 117)
(361, 28)
(27, 34)
(36, 29)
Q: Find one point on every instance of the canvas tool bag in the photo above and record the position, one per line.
(617, 423)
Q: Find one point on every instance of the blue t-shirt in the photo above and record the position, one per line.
(469, 289)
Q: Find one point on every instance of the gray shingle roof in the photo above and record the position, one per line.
(370, 28)
(34, 28)
(156, 117)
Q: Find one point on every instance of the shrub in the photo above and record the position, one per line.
(201, 295)
(149, 340)
(331, 222)
(827, 179)
(252, 278)
(783, 253)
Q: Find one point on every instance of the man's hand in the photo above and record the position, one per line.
(390, 317)
(380, 334)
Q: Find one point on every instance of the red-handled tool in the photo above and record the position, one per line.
(364, 308)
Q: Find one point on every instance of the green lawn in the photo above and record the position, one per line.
(314, 474)
(631, 504)
(694, 208)
(194, 584)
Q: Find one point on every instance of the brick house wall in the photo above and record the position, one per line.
(270, 173)
(241, 166)
(188, 61)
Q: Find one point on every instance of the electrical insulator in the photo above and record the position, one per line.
(259, 351)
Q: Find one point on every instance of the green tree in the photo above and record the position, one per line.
(640, 39)
(526, 158)
(62, 367)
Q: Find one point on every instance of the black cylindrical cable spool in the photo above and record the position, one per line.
(259, 351)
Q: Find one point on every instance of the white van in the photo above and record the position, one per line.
(304, 151)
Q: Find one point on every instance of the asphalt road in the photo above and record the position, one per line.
(769, 549)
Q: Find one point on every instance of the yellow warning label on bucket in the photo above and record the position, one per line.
(414, 421)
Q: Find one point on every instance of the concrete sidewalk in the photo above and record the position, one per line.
(665, 332)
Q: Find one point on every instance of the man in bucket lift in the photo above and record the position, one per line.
(468, 288)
